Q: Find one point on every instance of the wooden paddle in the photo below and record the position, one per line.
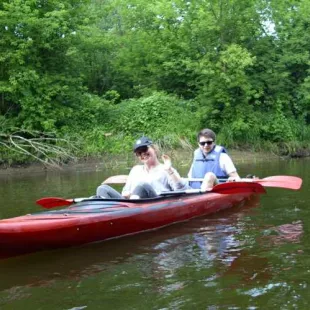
(280, 181)
(224, 188)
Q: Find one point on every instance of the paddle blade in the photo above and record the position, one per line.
(53, 202)
(116, 179)
(282, 181)
(238, 188)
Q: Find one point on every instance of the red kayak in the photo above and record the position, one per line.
(99, 219)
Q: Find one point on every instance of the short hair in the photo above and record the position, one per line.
(208, 133)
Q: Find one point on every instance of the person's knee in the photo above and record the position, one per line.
(102, 190)
(210, 176)
(209, 181)
(103, 187)
(144, 190)
(143, 187)
(139, 190)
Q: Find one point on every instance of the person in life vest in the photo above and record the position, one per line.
(210, 162)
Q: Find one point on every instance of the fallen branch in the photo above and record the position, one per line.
(41, 147)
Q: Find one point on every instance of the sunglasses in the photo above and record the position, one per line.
(203, 143)
(141, 150)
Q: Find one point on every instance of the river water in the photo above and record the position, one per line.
(252, 257)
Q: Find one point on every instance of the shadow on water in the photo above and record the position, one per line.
(212, 237)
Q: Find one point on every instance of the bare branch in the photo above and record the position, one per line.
(41, 147)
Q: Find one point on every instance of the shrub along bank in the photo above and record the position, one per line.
(110, 128)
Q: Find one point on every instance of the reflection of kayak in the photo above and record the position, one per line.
(97, 219)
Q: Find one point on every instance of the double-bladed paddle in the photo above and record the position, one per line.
(224, 188)
(280, 181)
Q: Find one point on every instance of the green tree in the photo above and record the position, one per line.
(39, 82)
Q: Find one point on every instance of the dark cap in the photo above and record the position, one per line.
(143, 141)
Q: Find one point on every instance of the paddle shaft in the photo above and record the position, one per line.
(224, 188)
(281, 181)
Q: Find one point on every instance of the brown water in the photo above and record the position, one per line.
(250, 257)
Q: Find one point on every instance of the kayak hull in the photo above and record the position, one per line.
(97, 220)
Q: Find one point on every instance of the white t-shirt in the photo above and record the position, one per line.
(157, 177)
(226, 165)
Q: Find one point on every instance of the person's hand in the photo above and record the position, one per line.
(167, 162)
(233, 179)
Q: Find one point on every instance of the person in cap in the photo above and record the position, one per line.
(148, 179)
(210, 162)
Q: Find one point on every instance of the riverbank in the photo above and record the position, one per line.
(110, 162)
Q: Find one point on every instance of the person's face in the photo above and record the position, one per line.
(206, 144)
(145, 153)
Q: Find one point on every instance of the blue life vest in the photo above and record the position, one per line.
(207, 163)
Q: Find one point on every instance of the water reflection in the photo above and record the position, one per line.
(212, 244)
(256, 267)
(287, 233)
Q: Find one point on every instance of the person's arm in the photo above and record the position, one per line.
(228, 166)
(233, 176)
(125, 192)
(168, 167)
(175, 181)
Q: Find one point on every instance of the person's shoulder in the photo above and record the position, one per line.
(225, 156)
(136, 168)
(197, 152)
(220, 148)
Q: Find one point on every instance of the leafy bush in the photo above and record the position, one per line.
(158, 115)
(164, 118)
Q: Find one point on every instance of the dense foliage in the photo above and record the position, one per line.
(101, 73)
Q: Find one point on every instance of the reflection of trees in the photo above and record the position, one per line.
(218, 248)
(287, 233)
(211, 248)
(256, 267)
(213, 245)
(248, 267)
